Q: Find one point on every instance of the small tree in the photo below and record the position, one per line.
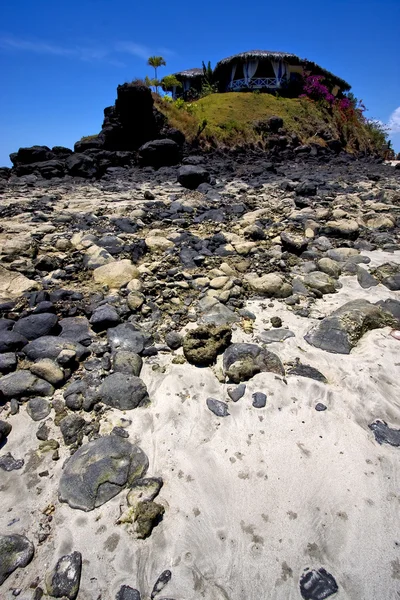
(208, 84)
(169, 81)
(156, 62)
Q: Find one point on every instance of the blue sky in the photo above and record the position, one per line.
(60, 62)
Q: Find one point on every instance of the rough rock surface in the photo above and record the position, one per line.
(15, 551)
(243, 361)
(341, 331)
(99, 470)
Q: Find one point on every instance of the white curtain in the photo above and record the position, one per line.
(233, 73)
(252, 66)
(276, 65)
(186, 85)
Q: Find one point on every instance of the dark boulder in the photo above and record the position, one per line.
(317, 584)
(15, 551)
(23, 383)
(243, 361)
(159, 153)
(34, 154)
(132, 121)
(191, 176)
(89, 143)
(123, 391)
(35, 326)
(341, 331)
(99, 470)
(61, 151)
(80, 165)
(64, 580)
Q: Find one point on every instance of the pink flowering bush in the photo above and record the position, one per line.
(314, 88)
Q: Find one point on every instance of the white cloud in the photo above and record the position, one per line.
(394, 121)
(86, 52)
(135, 49)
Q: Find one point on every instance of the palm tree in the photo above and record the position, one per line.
(155, 62)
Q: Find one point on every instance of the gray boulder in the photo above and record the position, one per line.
(243, 361)
(23, 383)
(35, 326)
(50, 347)
(123, 391)
(38, 409)
(127, 593)
(72, 429)
(15, 551)
(159, 153)
(191, 176)
(126, 362)
(99, 470)
(64, 580)
(125, 337)
(341, 331)
(5, 430)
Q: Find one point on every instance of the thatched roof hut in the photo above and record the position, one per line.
(190, 79)
(263, 69)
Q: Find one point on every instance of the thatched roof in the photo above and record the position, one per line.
(190, 73)
(225, 63)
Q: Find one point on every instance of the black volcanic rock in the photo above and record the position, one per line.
(131, 122)
(34, 154)
(80, 165)
(159, 153)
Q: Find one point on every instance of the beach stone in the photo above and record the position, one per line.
(72, 429)
(160, 584)
(51, 347)
(236, 393)
(38, 408)
(135, 299)
(159, 153)
(321, 282)
(173, 339)
(242, 361)
(389, 275)
(317, 584)
(15, 551)
(127, 593)
(365, 279)
(23, 383)
(259, 400)
(271, 285)
(64, 580)
(391, 306)
(11, 341)
(104, 317)
(342, 254)
(329, 266)
(158, 243)
(5, 430)
(191, 176)
(116, 274)
(218, 314)
(95, 257)
(14, 284)
(125, 337)
(49, 370)
(147, 516)
(127, 362)
(217, 407)
(76, 329)
(341, 331)
(143, 490)
(275, 335)
(385, 434)
(307, 371)
(124, 392)
(8, 362)
(320, 407)
(344, 228)
(293, 243)
(202, 345)
(99, 470)
(35, 326)
(9, 463)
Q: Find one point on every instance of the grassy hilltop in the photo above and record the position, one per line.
(230, 119)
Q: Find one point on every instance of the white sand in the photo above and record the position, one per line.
(251, 499)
